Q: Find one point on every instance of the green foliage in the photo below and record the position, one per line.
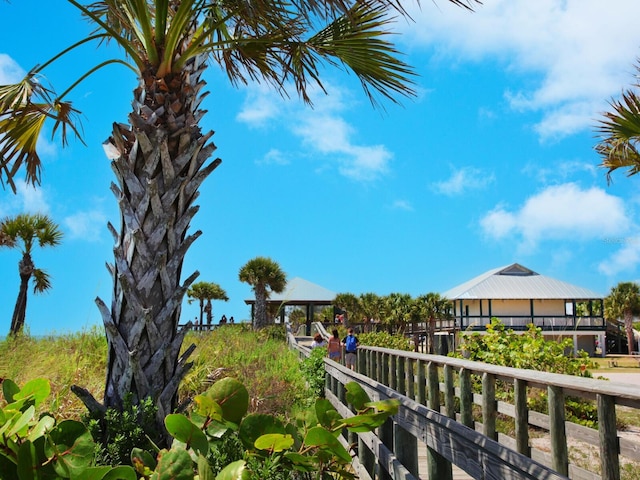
(33, 447)
(530, 350)
(385, 340)
(312, 368)
(119, 431)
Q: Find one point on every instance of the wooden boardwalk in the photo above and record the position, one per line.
(458, 473)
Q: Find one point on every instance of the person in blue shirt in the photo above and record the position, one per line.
(350, 349)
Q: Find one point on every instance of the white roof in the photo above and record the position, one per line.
(517, 282)
(301, 291)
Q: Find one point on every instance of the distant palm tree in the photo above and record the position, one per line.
(624, 302)
(23, 232)
(397, 310)
(432, 307)
(206, 291)
(620, 132)
(349, 304)
(265, 276)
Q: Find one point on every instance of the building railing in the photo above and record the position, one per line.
(547, 323)
(451, 406)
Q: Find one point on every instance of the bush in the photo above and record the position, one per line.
(385, 340)
(312, 368)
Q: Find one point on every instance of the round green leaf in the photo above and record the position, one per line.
(174, 464)
(208, 407)
(274, 442)
(182, 429)
(356, 395)
(301, 462)
(323, 439)
(40, 388)
(232, 396)
(255, 425)
(234, 471)
(72, 446)
(122, 472)
(141, 459)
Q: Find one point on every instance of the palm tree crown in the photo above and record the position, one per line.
(265, 276)
(624, 302)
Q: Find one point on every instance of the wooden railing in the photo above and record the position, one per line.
(441, 409)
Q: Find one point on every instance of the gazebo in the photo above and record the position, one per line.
(298, 293)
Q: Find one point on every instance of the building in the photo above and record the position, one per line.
(519, 296)
(299, 293)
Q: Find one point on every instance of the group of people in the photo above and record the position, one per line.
(223, 320)
(334, 347)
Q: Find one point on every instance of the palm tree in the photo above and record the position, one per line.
(162, 156)
(371, 305)
(24, 232)
(624, 302)
(432, 307)
(620, 132)
(265, 276)
(349, 304)
(397, 310)
(206, 291)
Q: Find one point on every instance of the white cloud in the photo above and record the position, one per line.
(463, 180)
(10, 71)
(624, 259)
(562, 170)
(402, 205)
(323, 129)
(582, 50)
(274, 157)
(87, 225)
(560, 212)
(31, 199)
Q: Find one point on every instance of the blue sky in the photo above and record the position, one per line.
(492, 163)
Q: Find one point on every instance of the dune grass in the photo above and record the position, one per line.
(269, 370)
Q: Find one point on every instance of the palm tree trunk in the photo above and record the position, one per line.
(25, 268)
(628, 326)
(260, 320)
(159, 170)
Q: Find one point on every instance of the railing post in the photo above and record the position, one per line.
(439, 468)
(449, 392)
(367, 458)
(401, 384)
(361, 362)
(466, 398)
(392, 371)
(609, 447)
(374, 365)
(385, 434)
(522, 417)
(421, 391)
(384, 369)
(489, 406)
(558, 434)
(405, 448)
(411, 387)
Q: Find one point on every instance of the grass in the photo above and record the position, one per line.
(269, 370)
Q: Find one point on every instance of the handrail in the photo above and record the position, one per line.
(437, 408)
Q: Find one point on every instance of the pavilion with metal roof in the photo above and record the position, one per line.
(519, 296)
(298, 293)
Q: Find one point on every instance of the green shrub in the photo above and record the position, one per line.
(118, 432)
(385, 340)
(312, 368)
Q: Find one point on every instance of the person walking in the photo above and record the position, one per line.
(350, 349)
(334, 347)
(318, 341)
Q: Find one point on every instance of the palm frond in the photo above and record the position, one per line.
(41, 281)
(620, 132)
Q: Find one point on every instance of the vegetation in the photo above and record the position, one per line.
(42, 447)
(24, 232)
(265, 276)
(206, 291)
(624, 302)
(385, 340)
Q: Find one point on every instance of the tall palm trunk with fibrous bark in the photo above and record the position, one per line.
(161, 165)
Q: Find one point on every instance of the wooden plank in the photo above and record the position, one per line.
(557, 432)
(609, 464)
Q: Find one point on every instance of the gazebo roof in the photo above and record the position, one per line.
(515, 282)
(300, 292)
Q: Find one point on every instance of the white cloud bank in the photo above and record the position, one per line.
(582, 50)
(560, 212)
